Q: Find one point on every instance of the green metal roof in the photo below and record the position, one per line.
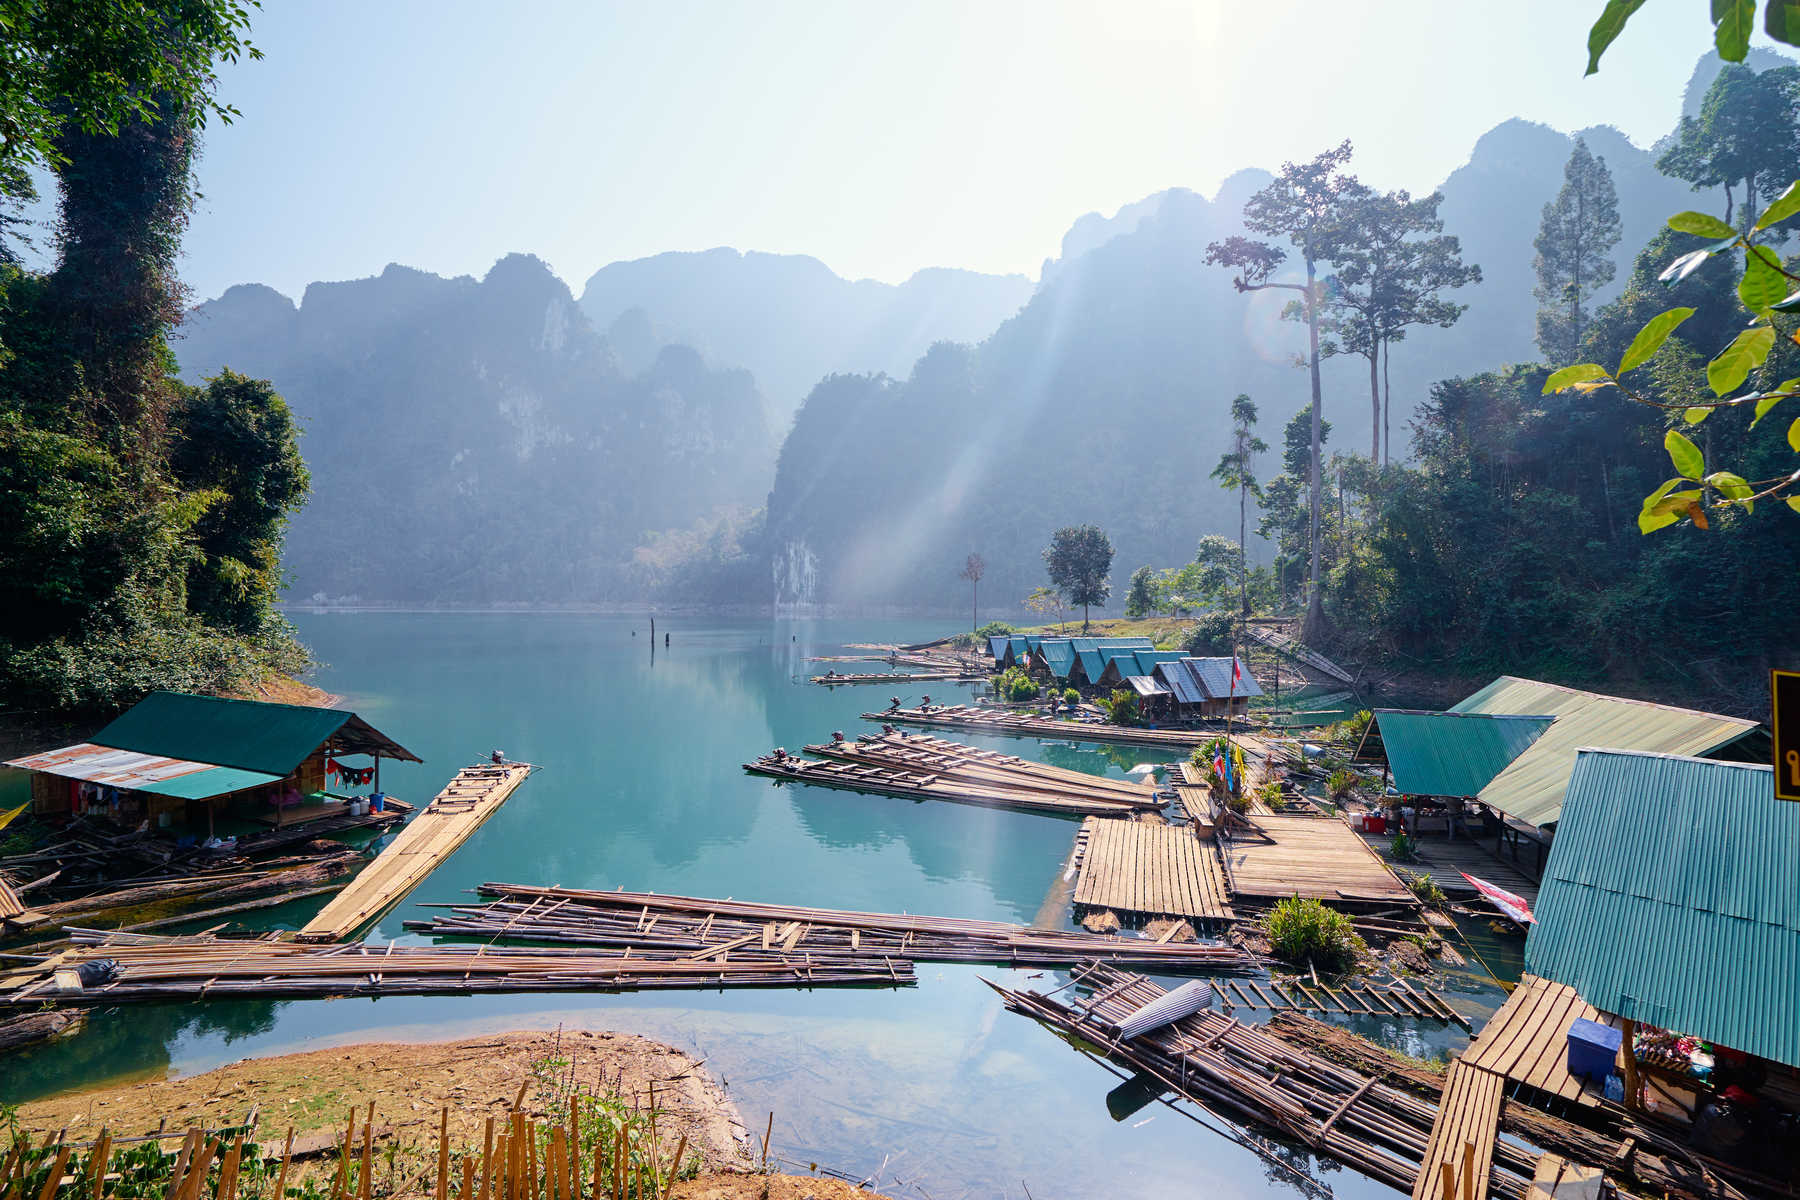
(201, 785)
(250, 735)
(1058, 656)
(1669, 898)
(1531, 786)
(1453, 754)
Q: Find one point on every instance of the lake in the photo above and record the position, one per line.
(935, 1089)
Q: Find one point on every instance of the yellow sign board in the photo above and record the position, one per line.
(1784, 697)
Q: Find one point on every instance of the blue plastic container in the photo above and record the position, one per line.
(1593, 1049)
(377, 801)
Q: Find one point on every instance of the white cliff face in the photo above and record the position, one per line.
(556, 328)
(532, 427)
(796, 578)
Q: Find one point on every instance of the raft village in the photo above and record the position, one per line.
(1652, 1045)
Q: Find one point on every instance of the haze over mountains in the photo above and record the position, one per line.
(495, 441)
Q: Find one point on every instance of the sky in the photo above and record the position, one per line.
(880, 138)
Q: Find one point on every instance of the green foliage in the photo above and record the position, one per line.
(1140, 597)
(1732, 21)
(1271, 795)
(1350, 731)
(1121, 708)
(1424, 887)
(1310, 934)
(1212, 635)
(1402, 846)
(1576, 236)
(1078, 560)
(995, 629)
(1342, 782)
(1071, 696)
(1015, 684)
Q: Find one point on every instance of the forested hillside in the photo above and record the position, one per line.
(476, 442)
(790, 320)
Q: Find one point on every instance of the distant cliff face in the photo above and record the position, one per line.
(477, 441)
(790, 320)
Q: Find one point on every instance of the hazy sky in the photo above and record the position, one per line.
(878, 137)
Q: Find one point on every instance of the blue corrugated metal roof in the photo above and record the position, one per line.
(1059, 657)
(1669, 898)
(1215, 676)
(1181, 681)
(1531, 786)
(1093, 662)
(1453, 754)
(998, 646)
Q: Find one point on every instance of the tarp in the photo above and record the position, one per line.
(128, 769)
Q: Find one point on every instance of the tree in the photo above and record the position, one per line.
(1746, 135)
(1393, 258)
(1217, 569)
(1235, 470)
(1046, 602)
(974, 567)
(1078, 559)
(1574, 252)
(1303, 204)
(99, 66)
(1141, 597)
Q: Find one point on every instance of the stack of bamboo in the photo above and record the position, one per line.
(643, 924)
(192, 968)
(964, 716)
(1382, 1131)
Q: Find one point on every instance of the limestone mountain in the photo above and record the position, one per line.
(477, 441)
(790, 320)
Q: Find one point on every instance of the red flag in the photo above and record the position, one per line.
(1513, 906)
(1236, 674)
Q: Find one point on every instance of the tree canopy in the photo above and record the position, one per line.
(1079, 560)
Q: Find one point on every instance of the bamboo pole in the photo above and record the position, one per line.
(55, 1177)
(443, 1157)
(287, 1154)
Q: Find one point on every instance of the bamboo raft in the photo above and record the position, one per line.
(946, 676)
(644, 923)
(454, 814)
(1311, 856)
(953, 760)
(1147, 870)
(913, 784)
(1376, 1128)
(990, 720)
(201, 968)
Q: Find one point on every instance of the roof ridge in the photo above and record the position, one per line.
(1575, 691)
(1686, 758)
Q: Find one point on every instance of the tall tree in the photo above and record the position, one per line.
(1302, 203)
(1574, 253)
(1393, 259)
(1140, 597)
(1079, 559)
(1747, 136)
(1236, 470)
(974, 567)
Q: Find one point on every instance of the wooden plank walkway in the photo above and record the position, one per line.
(986, 768)
(1460, 1156)
(1527, 1041)
(995, 720)
(1320, 858)
(467, 801)
(1444, 859)
(1150, 870)
(1351, 999)
(913, 784)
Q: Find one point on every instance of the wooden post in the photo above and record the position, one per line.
(468, 1178)
(487, 1160)
(55, 1176)
(1627, 1047)
(1468, 1171)
(443, 1174)
(287, 1155)
(1447, 1180)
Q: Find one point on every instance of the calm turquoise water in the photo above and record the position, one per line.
(641, 787)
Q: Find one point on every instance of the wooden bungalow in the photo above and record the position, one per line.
(1079, 662)
(1205, 687)
(179, 759)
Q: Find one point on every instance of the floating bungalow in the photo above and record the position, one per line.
(1668, 906)
(175, 759)
(1497, 765)
(1203, 687)
(1079, 662)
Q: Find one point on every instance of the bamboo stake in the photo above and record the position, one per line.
(675, 1167)
(341, 1180)
(287, 1154)
(468, 1178)
(443, 1166)
(487, 1160)
(55, 1176)
(1468, 1171)
(97, 1164)
(228, 1170)
(363, 1182)
(190, 1144)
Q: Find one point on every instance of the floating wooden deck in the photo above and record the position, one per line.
(1527, 1041)
(1460, 1158)
(465, 804)
(202, 968)
(1445, 859)
(645, 923)
(914, 784)
(1242, 1070)
(1317, 857)
(987, 768)
(1354, 999)
(835, 679)
(995, 720)
(1145, 869)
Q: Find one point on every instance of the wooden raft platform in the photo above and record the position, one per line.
(1352, 999)
(1527, 1041)
(992, 720)
(1460, 1158)
(986, 768)
(646, 924)
(454, 814)
(914, 784)
(1317, 857)
(1444, 859)
(1145, 869)
(878, 677)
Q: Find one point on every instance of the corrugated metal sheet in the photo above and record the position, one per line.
(248, 734)
(137, 772)
(1215, 677)
(1093, 663)
(1669, 897)
(1146, 685)
(1059, 657)
(998, 646)
(1531, 787)
(1181, 682)
(1453, 754)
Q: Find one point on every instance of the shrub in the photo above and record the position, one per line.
(1402, 847)
(995, 629)
(1015, 683)
(1121, 708)
(1343, 781)
(1271, 794)
(1308, 933)
(1424, 887)
(1350, 729)
(1071, 696)
(1212, 634)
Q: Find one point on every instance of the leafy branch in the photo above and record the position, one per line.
(1766, 288)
